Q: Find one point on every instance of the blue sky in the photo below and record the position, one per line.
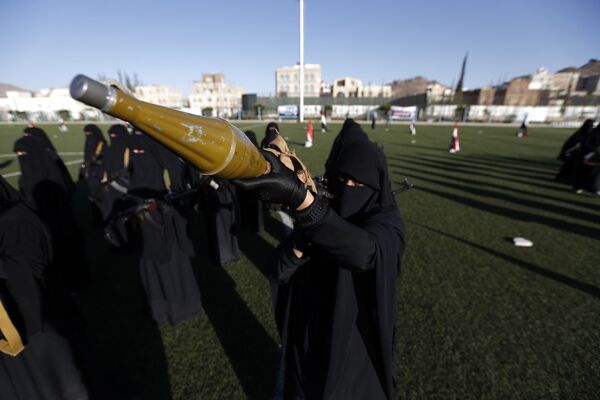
(46, 43)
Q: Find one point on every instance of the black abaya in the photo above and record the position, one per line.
(165, 268)
(588, 170)
(42, 138)
(46, 368)
(336, 306)
(45, 191)
(222, 214)
(93, 147)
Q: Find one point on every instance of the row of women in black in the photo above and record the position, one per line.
(344, 281)
(580, 155)
(42, 267)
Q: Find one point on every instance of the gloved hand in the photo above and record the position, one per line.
(280, 186)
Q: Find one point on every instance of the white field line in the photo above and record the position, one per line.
(19, 172)
(64, 153)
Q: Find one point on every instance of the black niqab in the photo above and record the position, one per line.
(365, 162)
(351, 132)
(93, 137)
(252, 136)
(44, 189)
(114, 155)
(41, 136)
(271, 132)
(579, 135)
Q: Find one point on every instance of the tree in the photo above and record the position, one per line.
(22, 115)
(258, 110)
(327, 109)
(65, 115)
(127, 81)
(385, 107)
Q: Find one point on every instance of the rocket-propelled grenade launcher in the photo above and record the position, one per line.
(213, 145)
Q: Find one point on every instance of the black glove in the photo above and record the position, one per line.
(280, 186)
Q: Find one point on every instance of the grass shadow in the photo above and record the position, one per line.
(518, 215)
(546, 273)
(444, 166)
(125, 340)
(563, 211)
(5, 164)
(250, 349)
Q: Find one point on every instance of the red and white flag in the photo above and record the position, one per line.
(454, 143)
(309, 135)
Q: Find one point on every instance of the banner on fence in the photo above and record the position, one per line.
(287, 111)
(403, 113)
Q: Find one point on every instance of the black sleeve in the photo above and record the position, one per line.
(285, 263)
(354, 248)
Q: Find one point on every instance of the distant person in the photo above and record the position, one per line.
(373, 119)
(62, 126)
(323, 122)
(388, 120)
(523, 129)
(36, 361)
(413, 127)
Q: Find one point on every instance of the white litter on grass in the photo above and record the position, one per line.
(413, 141)
(522, 242)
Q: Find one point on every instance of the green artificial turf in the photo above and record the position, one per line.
(478, 318)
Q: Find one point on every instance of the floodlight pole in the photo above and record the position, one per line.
(301, 111)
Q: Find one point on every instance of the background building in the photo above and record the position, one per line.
(45, 105)
(162, 95)
(213, 97)
(287, 81)
(353, 87)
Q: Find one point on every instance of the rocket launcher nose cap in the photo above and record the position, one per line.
(92, 92)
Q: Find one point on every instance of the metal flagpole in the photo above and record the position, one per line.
(301, 113)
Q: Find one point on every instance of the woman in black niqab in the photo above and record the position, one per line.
(93, 147)
(43, 188)
(350, 132)
(588, 168)
(45, 369)
(117, 154)
(335, 293)
(271, 132)
(165, 268)
(42, 138)
(573, 142)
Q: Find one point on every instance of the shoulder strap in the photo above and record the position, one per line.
(12, 343)
(126, 157)
(99, 148)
